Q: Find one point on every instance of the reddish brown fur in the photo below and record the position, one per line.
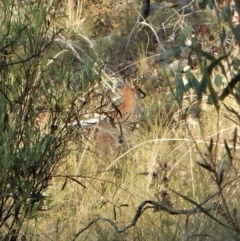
(118, 125)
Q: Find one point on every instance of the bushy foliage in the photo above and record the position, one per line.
(48, 82)
(36, 107)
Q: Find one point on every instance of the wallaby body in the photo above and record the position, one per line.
(117, 126)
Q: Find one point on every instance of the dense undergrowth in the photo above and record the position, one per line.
(179, 178)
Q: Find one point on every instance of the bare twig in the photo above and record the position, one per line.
(157, 206)
(85, 228)
(153, 30)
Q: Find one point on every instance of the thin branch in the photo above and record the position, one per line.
(153, 30)
(85, 228)
(157, 206)
(21, 61)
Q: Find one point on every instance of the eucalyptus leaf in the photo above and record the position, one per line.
(220, 172)
(228, 89)
(202, 4)
(206, 166)
(218, 80)
(169, 53)
(194, 82)
(180, 88)
(187, 31)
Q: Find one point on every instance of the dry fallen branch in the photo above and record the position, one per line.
(157, 206)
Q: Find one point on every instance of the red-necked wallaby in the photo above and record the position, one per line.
(117, 125)
(120, 122)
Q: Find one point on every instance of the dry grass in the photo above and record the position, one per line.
(163, 156)
(112, 186)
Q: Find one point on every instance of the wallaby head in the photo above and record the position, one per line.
(118, 123)
(129, 107)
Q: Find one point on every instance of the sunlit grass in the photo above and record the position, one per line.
(114, 186)
(162, 156)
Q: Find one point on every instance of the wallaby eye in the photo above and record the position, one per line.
(120, 140)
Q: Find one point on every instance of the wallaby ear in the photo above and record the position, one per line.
(129, 81)
(142, 94)
(132, 84)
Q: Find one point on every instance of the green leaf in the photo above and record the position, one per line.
(237, 6)
(229, 87)
(236, 64)
(216, 62)
(114, 213)
(169, 53)
(202, 87)
(223, 35)
(206, 166)
(187, 31)
(75, 180)
(218, 80)
(206, 80)
(180, 88)
(209, 8)
(177, 52)
(202, 4)
(193, 81)
(235, 136)
(210, 147)
(228, 150)
(220, 172)
(226, 13)
(212, 92)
